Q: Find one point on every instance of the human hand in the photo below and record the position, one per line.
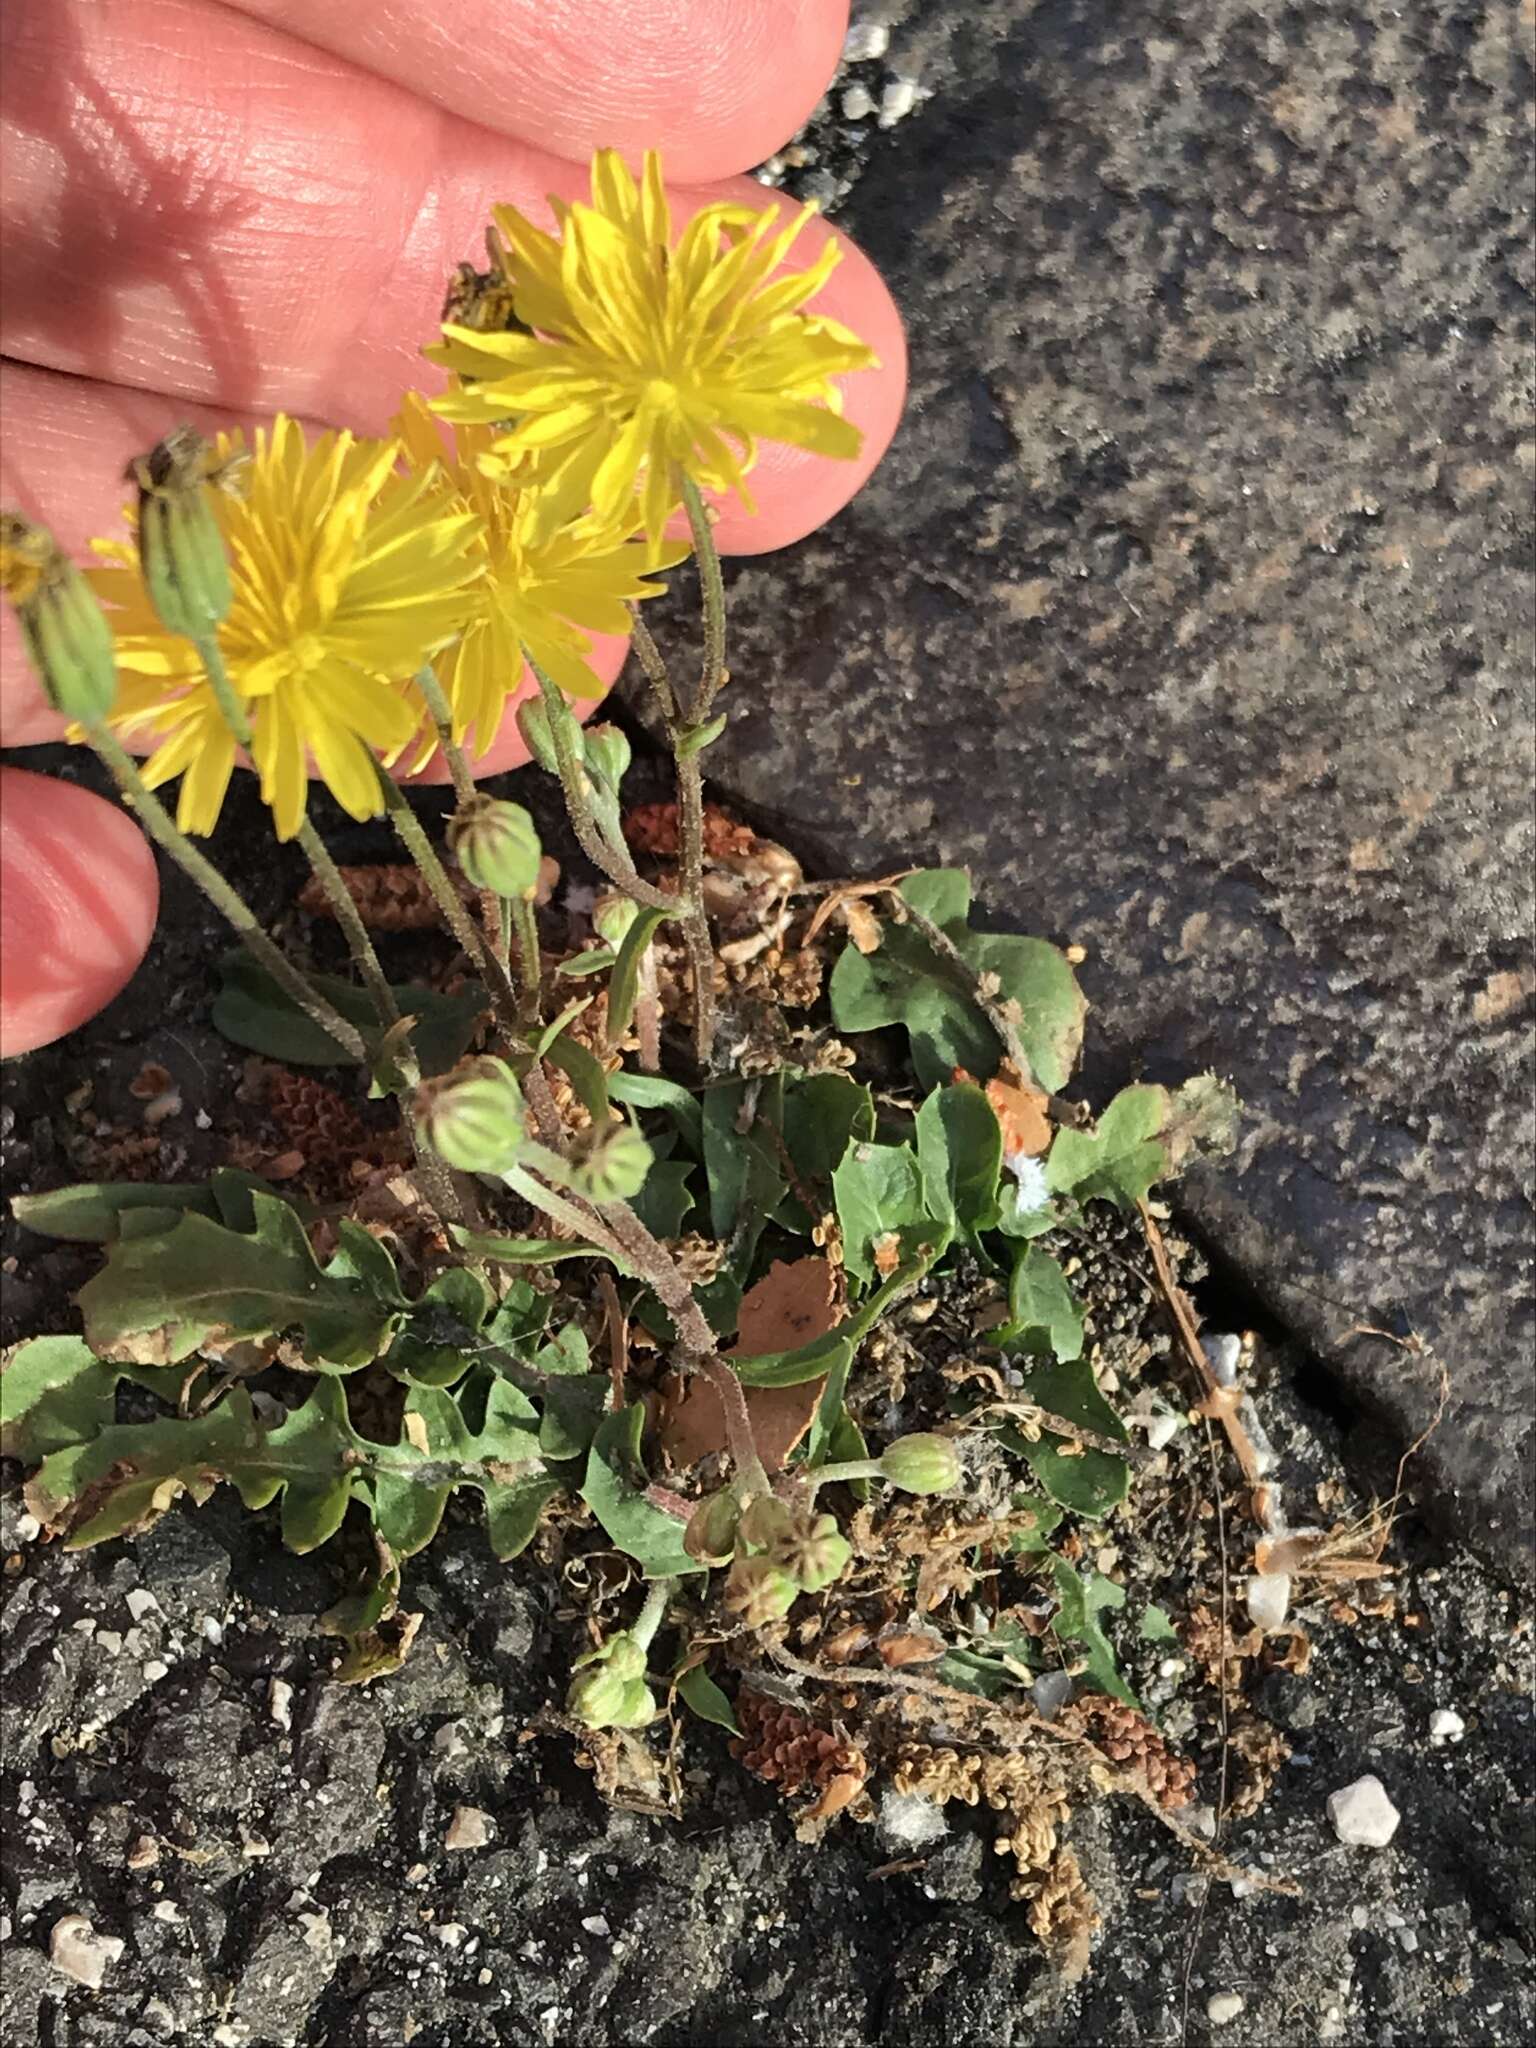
(205, 217)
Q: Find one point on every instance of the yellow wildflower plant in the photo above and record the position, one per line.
(549, 580)
(346, 577)
(647, 361)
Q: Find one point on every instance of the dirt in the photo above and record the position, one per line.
(271, 1848)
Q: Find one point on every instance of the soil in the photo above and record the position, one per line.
(272, 1848)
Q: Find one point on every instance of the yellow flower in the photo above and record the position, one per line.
(647, 360)
(549, 580)
(347, 577)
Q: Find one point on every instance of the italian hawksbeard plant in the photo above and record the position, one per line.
(651, 1240)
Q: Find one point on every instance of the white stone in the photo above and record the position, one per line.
(596, 1923)
(1223, 2008)
(1162, 1430)
(1445, 1725)
(1224, 1351)
(1051, 1691)
(450, 1933)
(909, 1821)
(1362, 1814)
(897, 101)
(280, 1703)
(77, 1951)
(1268, 1599)
(857, 104)
(865, 41)
(141, 1603)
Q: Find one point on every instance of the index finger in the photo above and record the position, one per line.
(721, 82)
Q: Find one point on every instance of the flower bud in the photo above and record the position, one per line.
(609, 1688)
(497, 846)
(473, 1117)
(63, 626)
(536, 722)
(181, 550)
(814, 1552)
(760, 1591)
(612, 915)
(611, 1163)
(764, 1521)
(607, 754)
(710, 1536)
(923, 1463)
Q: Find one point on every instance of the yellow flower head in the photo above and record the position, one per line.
(346, 577)
(646, 360)
(549, 580)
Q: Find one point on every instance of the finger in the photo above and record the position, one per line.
(78, 896)
(718, 84)
(164, 226)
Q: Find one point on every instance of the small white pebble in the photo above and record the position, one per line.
(865, 41)
(897, 101)
(1224, 1351)
(469, 1829)
(142, 1603)
(449, 1741)
(1171, 1667)
(1359, 1916)
(109, 1640)
(154, 1670)
(1362, 1814)
(1445, 1725)
(450, 1933)
(1162, 1430)
(28, 1528)
(908, 1821)
(1223, 2008)
(1268, 1600)
(213, 1631)
(166, 1910)
(77, 1951)
(596, 1923)
(857, 104)
(280, 1703)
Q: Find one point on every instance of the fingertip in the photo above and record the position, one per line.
(78, 897)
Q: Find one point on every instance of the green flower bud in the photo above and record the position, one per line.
(607, 754)
(497, 845)
(766, 1520)
(64, 628)
(181, 550)
(533, 724)
(473, 1117)
(613, 914)
(923, 1463)
(611, 1163)
(760, 1591)
(710, 1536)
(814, 1552)
(609, 1689)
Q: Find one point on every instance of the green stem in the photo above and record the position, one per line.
(854, 1468)
(355, 932)
(653, 664)
(441, 713)
(701, 952)
(449, 902)
(520, 916)
(612, 861)
(650, 1617)
(337, 894)
(226, 900)
(712, 586)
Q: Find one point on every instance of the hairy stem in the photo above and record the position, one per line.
(612, 861)
(337, 894)
(712, 586)
(649, 1619)
(463, 777)
(701, 952)
(654, 666)
(225, 899)
(448, 901)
